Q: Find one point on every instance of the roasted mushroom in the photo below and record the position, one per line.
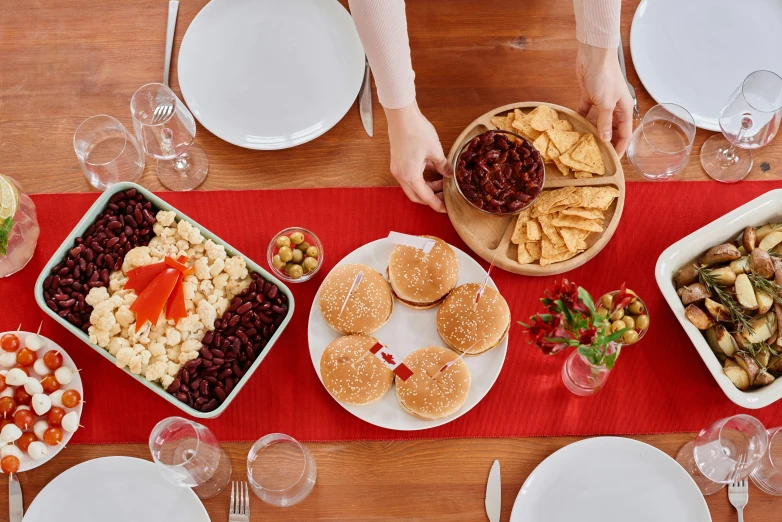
(721, 254)
(694, 293)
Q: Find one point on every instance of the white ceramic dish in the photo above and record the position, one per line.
(696, 53)
(764, 209)
(270, 74)
(27, 463)
(609, 479)
(406, 331)
(119, 489)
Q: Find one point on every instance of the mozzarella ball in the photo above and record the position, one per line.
(4, 372)
(16, 377)
(39, 428)
(63, 374)
(70, 422)
(10, 433)
(34, 342)
(41, 403)
(33, 386)
(56, 398)
(7, 392)
(40, 368)
(11, 449)
(37, 450)
(22, 407)
(8, 359)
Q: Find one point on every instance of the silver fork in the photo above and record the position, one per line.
(162, 112)
(240, 502)
(738, 494)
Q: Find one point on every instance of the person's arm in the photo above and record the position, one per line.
(415, 147)
(597, 22)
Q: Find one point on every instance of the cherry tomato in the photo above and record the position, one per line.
(22, 397)
(71, 398)
(50, 384)
(52, 359)
(52, 436)
(9, 464)
(24, 419)
(25, 370)
(55, 415)
(25, 440)
(26, 357)
(3, 385)
(9, 343)
(7, 406)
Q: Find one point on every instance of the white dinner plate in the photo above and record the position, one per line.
(697, 52)
(115, 489)
(609, 479)
(270, 74)
(27, 463)
(405, 332)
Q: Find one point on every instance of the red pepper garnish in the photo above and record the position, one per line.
(179, 265)
(159, 287)
(140, 278)
(176, 308)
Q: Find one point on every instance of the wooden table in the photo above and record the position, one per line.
(63, 61)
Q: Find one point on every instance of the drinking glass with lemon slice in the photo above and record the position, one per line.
(18, 227)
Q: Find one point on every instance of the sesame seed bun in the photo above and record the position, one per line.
(369, 307)
(427, 398)
(348, 377)
(461, 324)
(421, 280)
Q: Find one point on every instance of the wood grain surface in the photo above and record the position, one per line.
(65, 60)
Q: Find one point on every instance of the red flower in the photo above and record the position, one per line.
(587, 336)
(567, 292)
(621, 299)
(549, 336)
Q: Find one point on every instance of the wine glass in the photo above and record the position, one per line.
(166, 131)
(188, 454)
(281, 471)
(107, 152)
(749, 121)
(767, 476)
(726, 451)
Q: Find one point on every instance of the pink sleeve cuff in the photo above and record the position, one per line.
(597, 22)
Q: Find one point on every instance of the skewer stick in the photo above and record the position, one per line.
(19, 328)
(449, 364)
(39, 328)
(483, 285)
(356, 282)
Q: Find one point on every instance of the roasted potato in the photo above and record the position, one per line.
(749, 239)
(765, 301)
(745, 293)
(717, 311)
(763, 379)
(741, 265)
(775, 365)
(748, 364)
(698, 317)
(766, 229)
(763, 327)
(687, 276)
(721, 254)
(724, 275)
(720, 341)
(771, 240)
(694, 293)
(737, 375)
(760, 263)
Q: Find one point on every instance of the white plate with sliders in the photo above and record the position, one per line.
(696, 53)
(119, 489)
(27, 463)
(406, 331)
(609, 479)
(270, 74)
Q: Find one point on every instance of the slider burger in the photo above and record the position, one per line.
(368, 306)
(422, 280)
(430, 398)
(465, 326)
(353, 375)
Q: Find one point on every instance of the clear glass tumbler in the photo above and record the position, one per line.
(188, 455)
(166, 130)
(280, 470)
(767, 476)
(749, 120)
(727, 450)
(107, 152)
(582, 377)
(661, 145)
(19, 229)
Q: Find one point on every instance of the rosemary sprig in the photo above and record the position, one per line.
(766, 285)
(5, 231)
(737, 315)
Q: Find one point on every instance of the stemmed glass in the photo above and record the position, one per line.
(726, 451)
(188, 454)
(749, 121)
(166, 131)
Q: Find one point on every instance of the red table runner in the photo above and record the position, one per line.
(659, 385)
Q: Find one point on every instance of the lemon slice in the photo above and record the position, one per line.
(9, 198)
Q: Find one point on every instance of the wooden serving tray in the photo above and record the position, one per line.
(490, 236)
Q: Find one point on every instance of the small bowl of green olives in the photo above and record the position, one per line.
(634, 316)
(295, 254)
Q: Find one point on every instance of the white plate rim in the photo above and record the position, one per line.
(586, 445)
(423, 424)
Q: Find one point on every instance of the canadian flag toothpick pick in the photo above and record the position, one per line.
(392, 361)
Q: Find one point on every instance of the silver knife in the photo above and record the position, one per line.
(14, 499)
(636, 112)
(173, 8)
(365, 100)
(493, 490)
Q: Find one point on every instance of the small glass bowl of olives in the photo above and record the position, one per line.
(295, 254)
(634, 316)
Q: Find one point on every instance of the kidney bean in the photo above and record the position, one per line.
(244, 308)
(224, 373)
(207, 339)
(52, 306)
(219, 394)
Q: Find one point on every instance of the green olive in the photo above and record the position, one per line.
(617, 325)
(636, 307)
(309, 264)
(283, 241)
(313, 251)
(297, 238)
(303, 246)
(288, 266)
(298, 256)
(630, 337)
(629, 321)
(616, 316)
(642, 322)
(602, 312)
(285, 253)
(607, 301)
(296, 271)
(278, 263)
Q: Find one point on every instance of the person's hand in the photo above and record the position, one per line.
(415, 147)
(603, 86)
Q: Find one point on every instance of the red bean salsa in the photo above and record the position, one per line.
(499, 173)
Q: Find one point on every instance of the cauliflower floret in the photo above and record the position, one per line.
(115, 330)
(190, 324)
(222, 305)
(166, 217)
(217, 267)
(123, 356)
(157, 349)
(206, 287)
(191, 345)
(124, 316)
(187, 356)
(236, 267)
(168, 233)
(137, 257)
(146, 355)
(116, 344)
(195, 237)
(135, 364)
(214, 251)
(173, 337)
(207, 313)
(182, 245)
(129, 299)
(99, 337)
(173, 353)
(172, 368)
(212, 299)
(155, 371)
(166, 380)
(189, 289)
(184, 228)
(97, 295)
(156, 246)
(220, 281)
(218, 292)
(202, 268)
(117, 284)
(198, 297)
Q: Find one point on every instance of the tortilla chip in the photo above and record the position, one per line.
(586, 213)
(542, 144)
(550, 233)
(554, 255)
(520, 231)
(533, 230)
(563, 140)
(564, 169)
(586, 151)
(598, 197)
(573, 237)
(524, 256)
(581, 174)
(562, 220)
(550, 198)
(552, 152)
(548, 250)
(522, 126)
(564, 125)
(568, 160)
(534, 249)
(502, 123)
(542, 118)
